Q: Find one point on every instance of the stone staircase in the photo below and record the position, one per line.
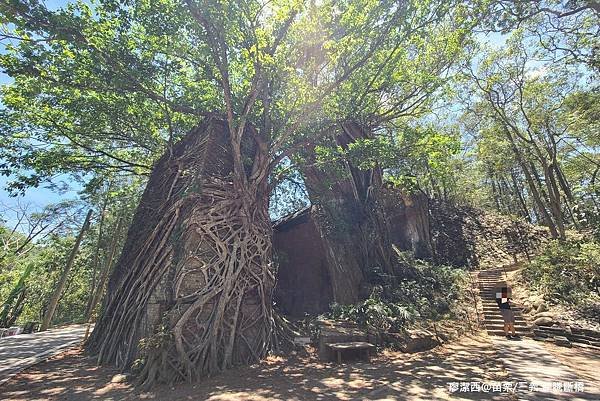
(489, 280)
(567, 336)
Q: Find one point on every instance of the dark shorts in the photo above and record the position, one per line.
(507, 315)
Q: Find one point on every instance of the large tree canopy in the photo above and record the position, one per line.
(108, 86)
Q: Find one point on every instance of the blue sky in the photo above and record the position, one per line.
(37, 197)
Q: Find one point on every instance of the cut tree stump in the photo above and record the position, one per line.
(338, 348)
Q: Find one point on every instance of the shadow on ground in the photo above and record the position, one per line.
(389, 376)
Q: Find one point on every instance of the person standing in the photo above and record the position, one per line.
(508, 316)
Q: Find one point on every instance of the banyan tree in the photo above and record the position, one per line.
(360, 218)
(349, 216)
(191, 292)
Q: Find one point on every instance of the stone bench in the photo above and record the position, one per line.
(338, 348)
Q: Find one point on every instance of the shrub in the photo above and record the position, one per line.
(567, 272)
(426, 292)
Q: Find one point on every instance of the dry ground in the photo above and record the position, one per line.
(389, 376)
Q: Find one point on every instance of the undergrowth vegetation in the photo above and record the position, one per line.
(567, 272)
(427, 292)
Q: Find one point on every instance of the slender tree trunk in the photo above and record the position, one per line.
(13, 305)
(532, 187)
(554, 200)
(96, 261)
(495, 194)
(108, 263)
(64, 276)
(520, 196)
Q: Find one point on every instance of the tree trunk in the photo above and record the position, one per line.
(417, 224)
(47, 320)
(520, 196)
(531, 184)
(13, 305)
(96, 261)
(351, 219)
(192, 291)
(554, 200)
(98, 290)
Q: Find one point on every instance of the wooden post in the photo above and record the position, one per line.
(60, 286)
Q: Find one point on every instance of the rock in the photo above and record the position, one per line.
(544, 314)
(419, 340)
(536, 301)
(444, 337)
(541, 308)
(562, 341)
(543, 321)
(120, 378)
(586, 332)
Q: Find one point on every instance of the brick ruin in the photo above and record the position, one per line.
(459, 236)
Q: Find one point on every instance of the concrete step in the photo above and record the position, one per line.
(495, 308)
(500, 324)
(501, 333)
(496, 311)
(492, 302)
(498, 319)
(586, 346)
(501, 330)
(500, 327)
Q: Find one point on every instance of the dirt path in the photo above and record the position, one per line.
(389, 376)
(531, 364)
(473, 361)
